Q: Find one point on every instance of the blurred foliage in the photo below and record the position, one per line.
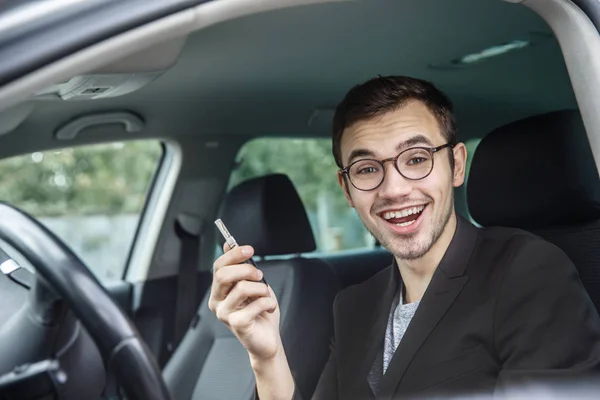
(113, 178)
(308, 163)
(102, 179)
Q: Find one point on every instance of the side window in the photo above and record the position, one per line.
(91, 197)
(310, 166)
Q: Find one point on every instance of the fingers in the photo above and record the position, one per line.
(235, 285)
(237, 298)
(226, 277)
(241, 292)
(237, 255)
(242, 319)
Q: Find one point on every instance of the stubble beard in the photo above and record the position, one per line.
(409, 247)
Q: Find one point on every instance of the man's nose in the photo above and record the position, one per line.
(394, 184)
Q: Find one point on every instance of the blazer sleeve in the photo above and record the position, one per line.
(327, 385)
(545, 324)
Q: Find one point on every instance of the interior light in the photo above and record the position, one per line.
(485, 54)
(493, 51)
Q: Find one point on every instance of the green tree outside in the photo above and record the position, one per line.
(113, 179)
(103, 179)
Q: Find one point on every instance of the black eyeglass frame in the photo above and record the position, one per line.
(431, 150)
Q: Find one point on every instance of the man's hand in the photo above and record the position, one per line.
(246, 306)
(250, 310)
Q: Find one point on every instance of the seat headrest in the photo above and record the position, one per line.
(535, 173)
(267, 214)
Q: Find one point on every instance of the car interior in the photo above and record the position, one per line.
(203, 84)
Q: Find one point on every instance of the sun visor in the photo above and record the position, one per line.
(90, 87)
(119, 78)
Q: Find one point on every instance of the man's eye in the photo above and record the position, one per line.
(367, 170)
(416, 160)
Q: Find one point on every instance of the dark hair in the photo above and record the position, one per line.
(387, 93)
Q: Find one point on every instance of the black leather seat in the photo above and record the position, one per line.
(210, 364)
(538, 174)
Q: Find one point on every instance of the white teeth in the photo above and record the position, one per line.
(404, 213)
(406, 223)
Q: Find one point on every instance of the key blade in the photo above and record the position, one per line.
(223, 229)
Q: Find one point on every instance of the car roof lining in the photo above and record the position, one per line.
(275, 94)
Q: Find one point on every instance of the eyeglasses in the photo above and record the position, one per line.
(414, 164)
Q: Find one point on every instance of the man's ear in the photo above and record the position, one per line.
(460, 164)
(343, 182)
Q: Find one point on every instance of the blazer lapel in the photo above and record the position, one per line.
(376, 373)
(374, 335)
(446, 283)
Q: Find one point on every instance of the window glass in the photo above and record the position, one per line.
(90, 196)
(310, 166)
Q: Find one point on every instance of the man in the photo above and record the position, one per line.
(461, 309)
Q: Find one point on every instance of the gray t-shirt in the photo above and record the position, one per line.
(400, 317)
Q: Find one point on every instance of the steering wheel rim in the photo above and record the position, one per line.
(117, 339)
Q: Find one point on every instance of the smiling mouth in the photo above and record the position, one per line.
(404, 216)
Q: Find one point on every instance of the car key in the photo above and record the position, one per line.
(233, 244)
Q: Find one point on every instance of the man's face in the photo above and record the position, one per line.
(429, 201)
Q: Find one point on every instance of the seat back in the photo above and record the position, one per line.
(538, 174)
(210, 363)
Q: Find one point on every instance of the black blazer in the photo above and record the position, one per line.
(503, 306)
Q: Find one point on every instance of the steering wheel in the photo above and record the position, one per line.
(62, 278)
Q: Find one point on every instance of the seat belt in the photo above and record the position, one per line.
(188, 229)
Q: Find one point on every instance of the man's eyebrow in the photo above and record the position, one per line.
(356, 153)
(414, 141)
